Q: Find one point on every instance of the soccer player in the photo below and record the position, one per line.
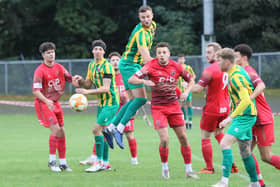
(101, 75)
(163, 74)
(136, 54)
(243, 117)
(48, 85)
(263, 130)
(129, 128)
(181, 85)
(214, 81)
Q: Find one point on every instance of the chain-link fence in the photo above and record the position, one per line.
(16, 76)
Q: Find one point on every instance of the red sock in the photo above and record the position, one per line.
(163, 152)
(187, 154)
(52, 145)
(94, 150)
(61, 147)
(275, 161)
(207, 152)
(258, 170)
(219, 137)
(133, 147)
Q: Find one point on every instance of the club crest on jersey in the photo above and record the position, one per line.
(57, 73)
(173, 72)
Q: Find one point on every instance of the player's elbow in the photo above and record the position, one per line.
(131, 80)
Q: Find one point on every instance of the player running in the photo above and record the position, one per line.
(136, 54)
(163, 74)
(215, 82)
(48, 85)
(243, 117)
(263, 130)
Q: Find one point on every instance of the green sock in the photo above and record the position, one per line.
(99, 146)
(190, 113)
(132, 109)
(251, 168)
(227, 162)
(106, 152)
(117, 118)
(184, 112)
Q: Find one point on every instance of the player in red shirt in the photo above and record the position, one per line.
(263, 130)
(48, 86)
(217, 106)
(163, 74)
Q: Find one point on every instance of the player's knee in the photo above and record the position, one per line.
(245, 148)
(164, 142)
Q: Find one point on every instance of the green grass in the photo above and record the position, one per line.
(24, 156)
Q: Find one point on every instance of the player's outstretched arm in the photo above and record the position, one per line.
(145, 53)
(258, 90)
(103, 89)
(197, 88)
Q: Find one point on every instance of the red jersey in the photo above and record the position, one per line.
(51, 80)
(264, 115)
(217, 101)
(120, 85)
(165, 78)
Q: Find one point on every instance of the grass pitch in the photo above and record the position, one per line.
(24, 156)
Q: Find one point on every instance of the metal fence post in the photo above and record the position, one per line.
(6, 79)
(70, 71)
(260, 65)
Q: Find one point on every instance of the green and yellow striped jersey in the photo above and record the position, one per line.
(181, 80)
(240, 88)
(140, 37)
(96, 72)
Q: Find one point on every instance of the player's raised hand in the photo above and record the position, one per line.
(149, 83)
(225, 122)
(77, 79)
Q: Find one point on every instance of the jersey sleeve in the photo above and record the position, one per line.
(141, 39)
(255, 78)
(186, 75)
(143, 71)
(89, 72)
(37, 80)
(108, 70)
(205, 78)
(67, 75)
(243, 96)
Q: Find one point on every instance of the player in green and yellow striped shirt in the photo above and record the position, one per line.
(101, 75)
(243, 117)
(137, 53)
(181, 85)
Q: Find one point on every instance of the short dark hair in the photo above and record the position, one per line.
(244, 50)
(144, 8)
(115, 53)
(45, 46)
(180, 55)
(99, 43)
(162, 44)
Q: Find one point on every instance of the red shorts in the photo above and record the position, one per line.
(263, 134)
(171, 114)
(130, 125)
(210, 123)
(47, 117)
